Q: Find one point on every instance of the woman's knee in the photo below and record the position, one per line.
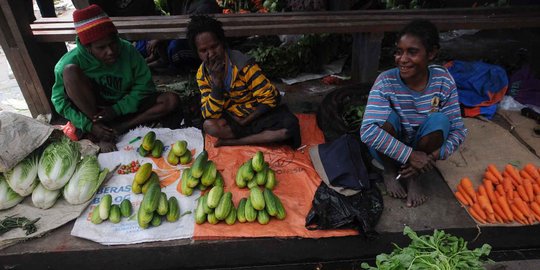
(72, 75)
(169, 101)
(438, 117)
(212, 127)
(71, 71)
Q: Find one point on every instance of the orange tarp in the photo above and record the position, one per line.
(297, 183)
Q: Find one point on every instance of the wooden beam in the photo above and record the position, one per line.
(16, 40)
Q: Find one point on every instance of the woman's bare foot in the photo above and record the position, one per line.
(106, 147)
(393, 186)
(415, 192)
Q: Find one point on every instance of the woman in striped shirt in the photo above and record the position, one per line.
(239, 104)
(412, 117)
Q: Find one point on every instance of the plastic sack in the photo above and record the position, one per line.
(332, 210)
(19, 136)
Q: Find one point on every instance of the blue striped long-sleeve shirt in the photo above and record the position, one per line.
(389, 92)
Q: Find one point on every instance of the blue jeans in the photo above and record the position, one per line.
(435, 122)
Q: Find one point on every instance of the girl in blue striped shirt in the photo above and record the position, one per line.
(412, 117)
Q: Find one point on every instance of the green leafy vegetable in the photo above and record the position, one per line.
(438, 251)
(84, 182)
(23, 178)
(13, 222)
(57, 163)
(44, 198)
(8, 197)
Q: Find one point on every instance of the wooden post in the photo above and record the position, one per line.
(32, 63)
(366, 52)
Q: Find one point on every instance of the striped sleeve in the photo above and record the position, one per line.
(263, 90)
(211, 106)
(451, 108)
(377, 111)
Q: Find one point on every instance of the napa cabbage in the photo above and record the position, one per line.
(8, 197)
(57, 163)
(44, 198)
(85, 181)
(23, 177)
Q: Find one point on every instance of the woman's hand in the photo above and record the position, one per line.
(418, 162)
(103, 132)
(216, 68)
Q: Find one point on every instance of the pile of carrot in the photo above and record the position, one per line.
(506, 196)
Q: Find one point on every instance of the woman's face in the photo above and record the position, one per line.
(209, 47)
(412, 58)
(106, 49)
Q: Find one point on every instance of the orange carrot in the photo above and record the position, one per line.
(489, 176)
(486, 206)
(512, 172)
(465, 195)
(519, 215)
(479, 211)
(527, 184)
(536, 189)
(498, 210)
(500, 190)
(522, 206)
(476, 216)
(522, 193)
(505, 207)
(498, 218)
(531, 169)
(461, 199)
(507, 184)
(525, 174)
(493, 169)
(468, 187)
(489, 190)
(535, 207)
(537, 199)
(481, 191)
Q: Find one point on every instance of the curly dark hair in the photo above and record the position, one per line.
(425, 30)
(204, 23)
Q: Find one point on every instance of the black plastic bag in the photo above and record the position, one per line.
(332, 210)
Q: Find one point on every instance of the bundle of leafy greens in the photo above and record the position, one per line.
(438, 251)
(307, 54)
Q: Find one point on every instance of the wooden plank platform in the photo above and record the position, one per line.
(59, 250)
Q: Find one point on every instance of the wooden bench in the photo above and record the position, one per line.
(28, 43)
(361, 21)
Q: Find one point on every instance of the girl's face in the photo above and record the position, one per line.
(412, 59)
(209, 47)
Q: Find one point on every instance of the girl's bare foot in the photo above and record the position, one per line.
(393, 186)
(415, 192)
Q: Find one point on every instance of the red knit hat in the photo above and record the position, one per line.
(92, 24)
